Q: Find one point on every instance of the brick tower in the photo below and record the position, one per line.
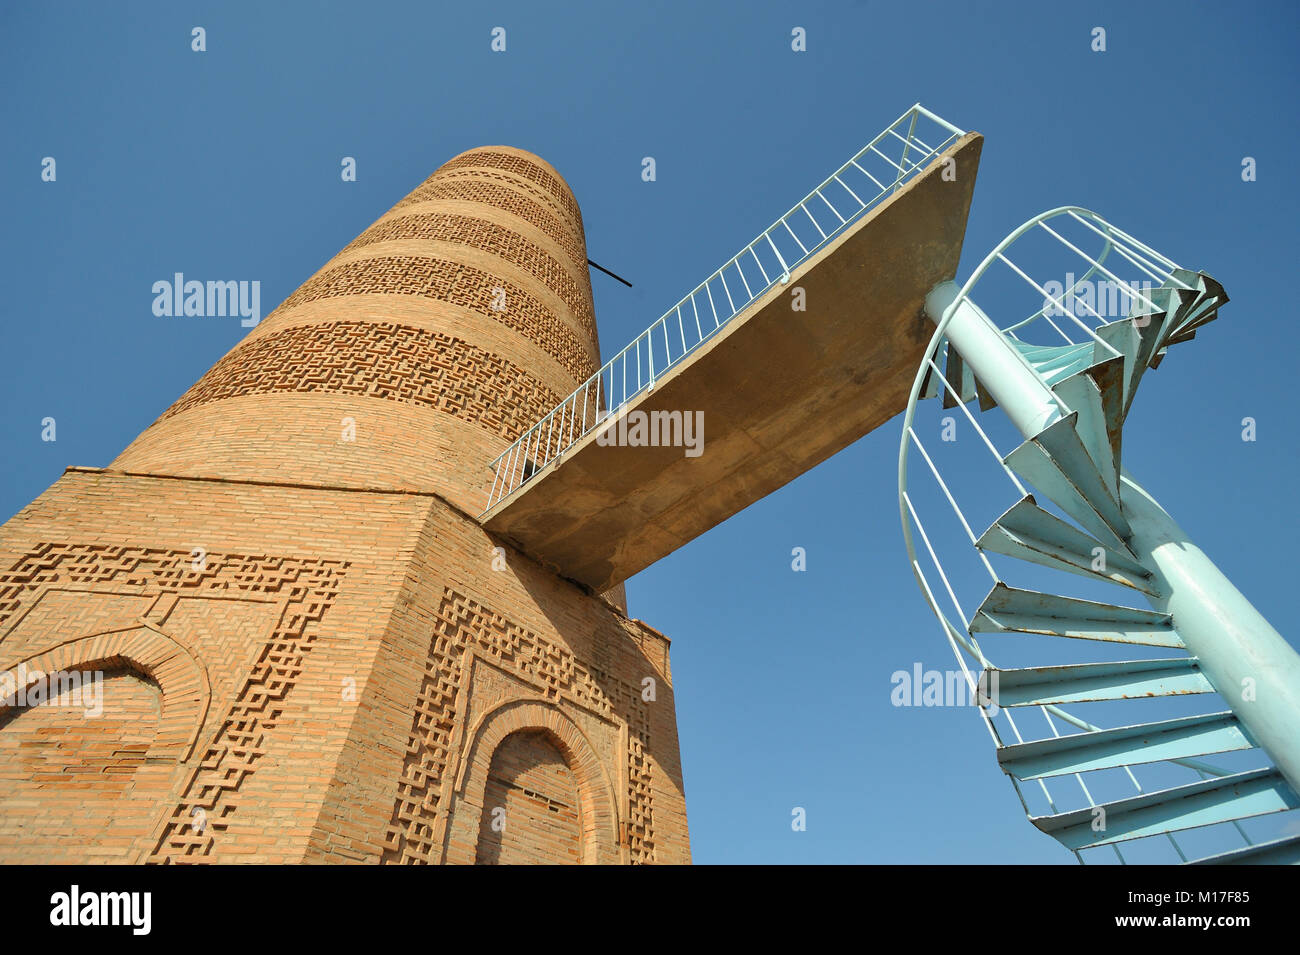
(311, 650)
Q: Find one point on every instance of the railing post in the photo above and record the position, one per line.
(496, 476)
(911, 130)
(785, 269)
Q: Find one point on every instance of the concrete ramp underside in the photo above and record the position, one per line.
(780, 391)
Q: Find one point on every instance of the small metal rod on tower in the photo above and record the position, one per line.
(602, 268)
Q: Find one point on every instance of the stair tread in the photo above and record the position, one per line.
(1238, 796)
(1028, 532)
(1087, 682)
(1057, 463)
(1182, 738)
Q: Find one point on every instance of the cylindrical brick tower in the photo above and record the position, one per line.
(310, 648)
(413, 357)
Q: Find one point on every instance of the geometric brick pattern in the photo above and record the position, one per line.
(487, 237)
(640, 823)
(474, 189)
(456, 284)
(380, 360)
(156, 570)
(463, 623)
(306, 587)
(513, 164)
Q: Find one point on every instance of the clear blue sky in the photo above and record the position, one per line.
(226, 164)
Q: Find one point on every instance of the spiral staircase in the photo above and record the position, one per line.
(1066, 377)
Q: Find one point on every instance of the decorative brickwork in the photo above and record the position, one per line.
(380, 360)
(455, 284)
(160, 570)
(487, 237)
(640, 824)
(520, 167)
(473, 189)
(515, 184)
(305, 588)
(461, 624)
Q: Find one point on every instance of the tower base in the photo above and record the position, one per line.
(312, 674)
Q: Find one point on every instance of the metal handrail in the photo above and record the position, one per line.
(715, 302)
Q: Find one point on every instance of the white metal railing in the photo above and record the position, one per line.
(879, 169)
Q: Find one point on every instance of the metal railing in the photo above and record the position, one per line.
(878, 170)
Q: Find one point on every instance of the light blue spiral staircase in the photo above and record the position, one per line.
(1076, 513)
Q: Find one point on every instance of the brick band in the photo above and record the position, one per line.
(455, 284)
(519, 167)
(491, 238)
(474, 189)
(380, 360)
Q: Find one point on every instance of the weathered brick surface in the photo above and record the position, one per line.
(94, 762)
(313, 651)
(531, 812)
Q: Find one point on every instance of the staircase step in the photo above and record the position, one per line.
(1182, 738)
(1204, 803)
(1201, 314)
(1090, 682)
(1185, 278)
(959, 376)
(1123, 337)
(1028, 532)
(1011, 610)
(1152, 335)
(952, 370)
(1039, 352)
(1210, 285)
(1208, 297)
(1189, 309)
(1061, 372)
(1057, 463)
(1278, 852)
(1052, 358)
(1049, 360)
(1183, 305)
(1108, 376)
(1081, 394)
